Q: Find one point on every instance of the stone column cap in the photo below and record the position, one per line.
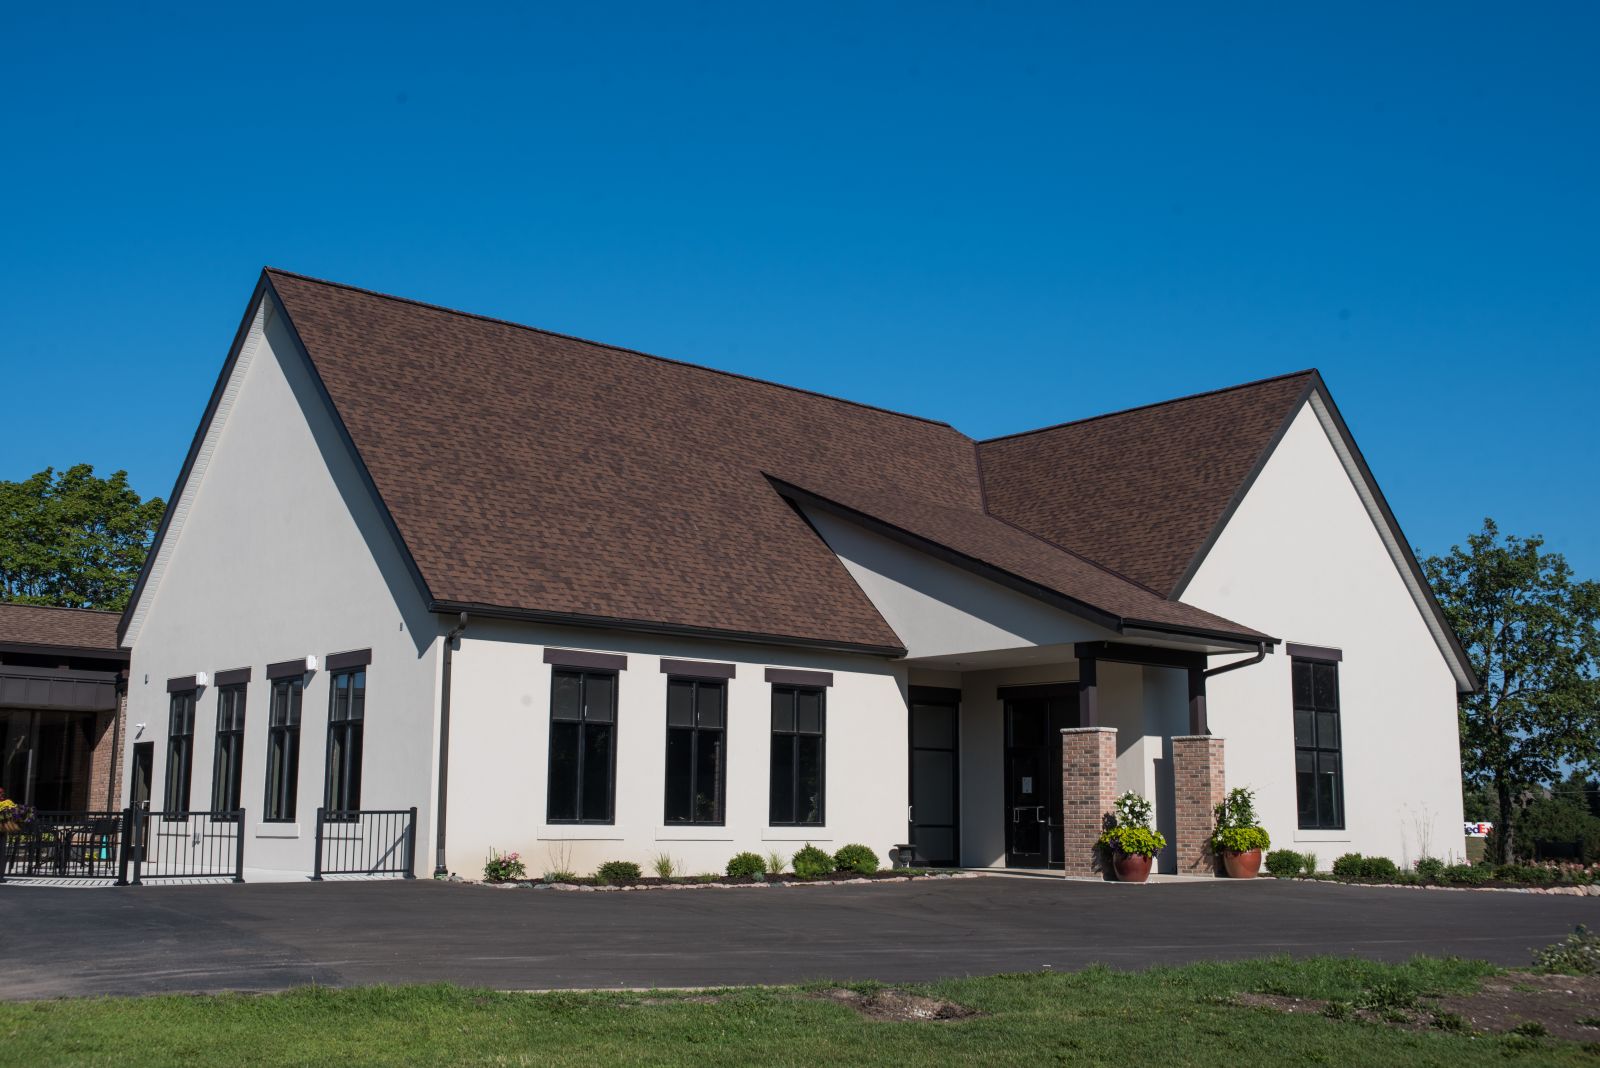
(1088, 730)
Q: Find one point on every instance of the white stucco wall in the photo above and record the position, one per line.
(499, 751)
(280, 554)
(1301, 559)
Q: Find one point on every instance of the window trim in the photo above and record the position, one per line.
(171, 806)
(224, 691)
(615, 724)
(1328, 658)
(291, 784)
(694, 751)
(350, 726)
(822, 765)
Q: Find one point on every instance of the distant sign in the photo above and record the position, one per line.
(1478, 830)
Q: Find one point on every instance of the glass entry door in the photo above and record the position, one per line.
(934, 814)
(1033, 776)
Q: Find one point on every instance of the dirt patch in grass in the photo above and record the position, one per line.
(1521, 1003)
(898, 1006)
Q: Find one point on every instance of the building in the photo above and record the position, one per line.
(589, 604)
(62, 680)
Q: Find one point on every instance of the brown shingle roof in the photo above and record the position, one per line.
(73, 628)
(1141, 491)
(541, 473)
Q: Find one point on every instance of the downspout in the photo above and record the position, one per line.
(1198, 722)
(439, 869)
(1261, 654)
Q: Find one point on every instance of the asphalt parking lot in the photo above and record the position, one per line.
(156, 939)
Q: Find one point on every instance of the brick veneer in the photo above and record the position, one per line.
(105, 761)
(1088, 790)
(1198, 787)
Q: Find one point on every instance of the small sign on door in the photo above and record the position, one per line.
(1027, 784)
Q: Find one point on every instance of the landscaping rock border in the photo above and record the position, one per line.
(724, 884)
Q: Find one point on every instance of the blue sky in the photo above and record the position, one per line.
(996, 214)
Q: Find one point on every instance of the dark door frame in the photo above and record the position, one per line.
(1066, 692)
(947, 698)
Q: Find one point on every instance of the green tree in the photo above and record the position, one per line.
(73, 540)
(1533, 635)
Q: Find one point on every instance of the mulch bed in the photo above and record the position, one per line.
(1564, 1006)
(653, 883)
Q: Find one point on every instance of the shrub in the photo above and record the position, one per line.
(1285, 863)
(503, 867)
(1379, 868)
(1464, 875)
(560, 877)
(617, 871)
(664, 865)
(811, 862)
(747, 866)
(1529, 874)
(775, 863)
(1429, 867)
(857, 858)
(1349, 866)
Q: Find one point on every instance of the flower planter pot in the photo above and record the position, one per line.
(1130, 867)
(1246, 865)
(10, 827)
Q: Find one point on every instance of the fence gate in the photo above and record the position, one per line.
(185, 845)
(366, 842)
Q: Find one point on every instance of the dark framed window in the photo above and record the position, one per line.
(283, 749)
(228, 765)
(1318, 759)
(583, 746)
(347, 709)
(696, 764)
(180, 751)
(798, 756)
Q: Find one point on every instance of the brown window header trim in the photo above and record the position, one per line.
(1313, 652)
(283, 669)
(696, 669)
(182, 685)
(354, 658)
(576, 658)
(791, 677)
(235, 677)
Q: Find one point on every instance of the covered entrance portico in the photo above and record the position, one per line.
(1034, 743)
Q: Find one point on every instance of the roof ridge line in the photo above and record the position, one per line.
(1153, 404)
(58, 608)
(608, 345)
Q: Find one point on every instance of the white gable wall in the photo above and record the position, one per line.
(1302, 560)
(281, 553)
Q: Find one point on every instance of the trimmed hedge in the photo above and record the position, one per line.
(1285, 863)
(746, 865)
(811, 862)
(857, 858)
(617, 871)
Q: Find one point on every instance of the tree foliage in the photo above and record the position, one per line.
(1533, 634)
(72, 539)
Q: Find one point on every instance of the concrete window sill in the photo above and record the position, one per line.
(581, 833)
(691, 833)
(278, 830)
(796, 834)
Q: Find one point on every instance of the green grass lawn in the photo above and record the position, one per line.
(1163, 1018)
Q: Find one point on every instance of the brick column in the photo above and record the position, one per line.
(1088, 789)
(1198, 787)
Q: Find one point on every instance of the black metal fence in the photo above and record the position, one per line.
(366, 842)
(185, 845)
(65, 845)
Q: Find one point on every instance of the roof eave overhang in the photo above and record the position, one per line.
(1055, 598)
(574, 619)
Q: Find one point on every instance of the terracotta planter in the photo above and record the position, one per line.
(10, 826)
(1130, 867)
(1246, 865)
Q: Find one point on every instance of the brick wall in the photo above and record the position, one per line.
(1088, 789)
(105, 760)
(1198, 787)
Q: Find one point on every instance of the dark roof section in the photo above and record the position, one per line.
(537, 475)
(76, 630)
(1143, 491)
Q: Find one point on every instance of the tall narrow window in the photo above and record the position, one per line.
(283, 749)
(583, 746)
(229, 763)
(695, 764)
(1319, 776)
(180, 751)
(797, 755)
(347, 705)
